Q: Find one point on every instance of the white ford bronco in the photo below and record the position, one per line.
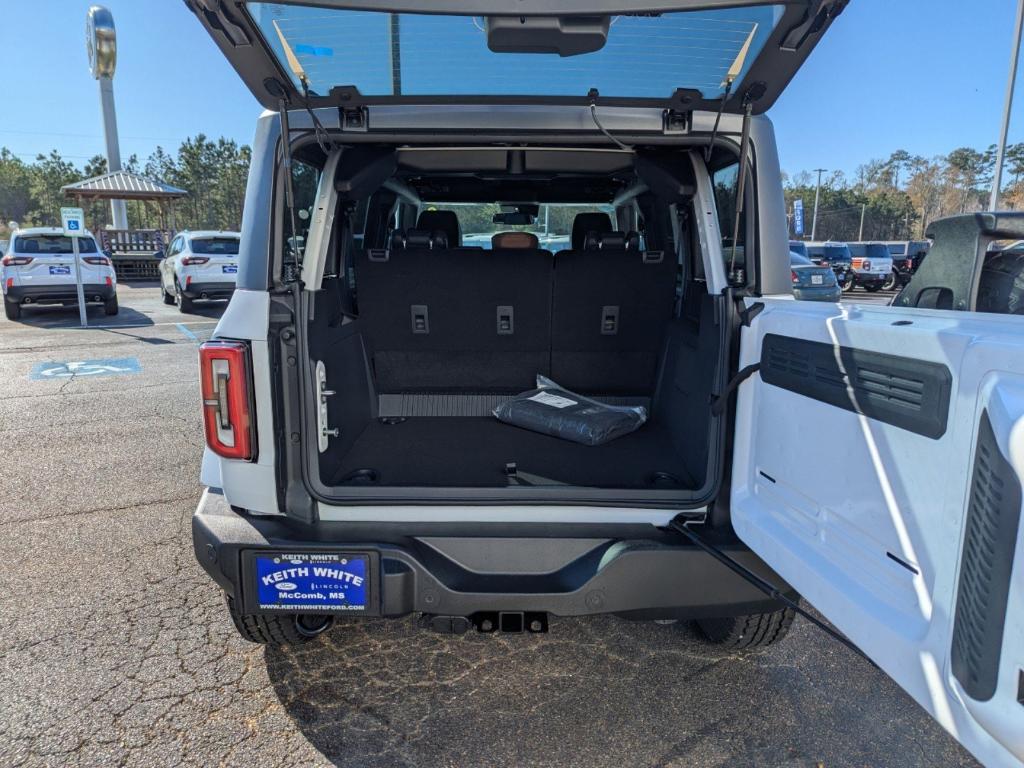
(447, 202)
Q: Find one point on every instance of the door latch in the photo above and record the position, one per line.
(323, 431)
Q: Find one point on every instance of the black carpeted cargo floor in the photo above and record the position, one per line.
(473, 452)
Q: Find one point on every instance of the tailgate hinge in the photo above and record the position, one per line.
(221, 21)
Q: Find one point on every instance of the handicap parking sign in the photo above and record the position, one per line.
(72, 220)
(89, 369)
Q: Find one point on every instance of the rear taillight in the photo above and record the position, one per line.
(16, 261)
(10, 282)
(794, 275)
(97, 261)
(188, 261)
(858, 264)
(110, 281)
(908, 264)
(866, 264)
(226, 383)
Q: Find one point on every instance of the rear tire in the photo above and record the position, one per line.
(849, 284)
(284, 629)
(167, 297)
(12, 309)
(184, 302)
(890, 282)
(1001, 287)
(754, 632)
(110, 306)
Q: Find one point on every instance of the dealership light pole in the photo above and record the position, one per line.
(997, 177)
(817, 194)
(101, 44)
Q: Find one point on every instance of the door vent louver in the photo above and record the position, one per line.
(990, 538)
(908, 393)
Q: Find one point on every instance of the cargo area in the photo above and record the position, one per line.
(421, 329)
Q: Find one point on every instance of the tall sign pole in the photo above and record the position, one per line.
(997, 178)
(101, 43)
(817, 194)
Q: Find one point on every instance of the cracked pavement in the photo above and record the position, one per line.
(117, 650)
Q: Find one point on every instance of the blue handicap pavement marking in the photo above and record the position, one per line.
(116, 366)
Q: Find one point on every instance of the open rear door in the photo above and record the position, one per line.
(878, 465)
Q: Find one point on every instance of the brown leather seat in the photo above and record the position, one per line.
(514, 240)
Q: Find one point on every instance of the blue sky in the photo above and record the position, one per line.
(922, 75)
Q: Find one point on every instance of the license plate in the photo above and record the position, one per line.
(312, 581)
(60, 270)
(817, 280)
(230, 269)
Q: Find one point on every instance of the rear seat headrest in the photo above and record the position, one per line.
(514, 240)
(419, 238)
(446, 221)
(621, 241)
(585, 223)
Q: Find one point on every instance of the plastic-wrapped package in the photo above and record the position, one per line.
(554, 411)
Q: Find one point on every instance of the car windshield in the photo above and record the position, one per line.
(215, 246)
(52, 244)
(552, 225)
(646, 55)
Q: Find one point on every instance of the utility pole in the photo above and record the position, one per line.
(817, 193)
(863, 208)
(997, 177)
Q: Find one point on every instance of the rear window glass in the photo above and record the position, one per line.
(552, 225)
(647, 55)
(877, 251)
(57, 244)
(215, 246)
(837, 253)
(797, 260)
(897, 249)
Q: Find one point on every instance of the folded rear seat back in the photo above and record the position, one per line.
(446, 319)
(612, 303)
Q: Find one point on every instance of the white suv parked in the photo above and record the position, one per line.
(199, 266)
(39, 268)
(869, 458)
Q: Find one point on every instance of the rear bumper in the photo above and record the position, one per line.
(219, 290)
(637, 578)
(831, 293)
(869, 278)
(63, 293)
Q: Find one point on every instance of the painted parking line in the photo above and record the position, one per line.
(188, 334)
(116, 366)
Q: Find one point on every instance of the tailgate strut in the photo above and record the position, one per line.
(767, 587)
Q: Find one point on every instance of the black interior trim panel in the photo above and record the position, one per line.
(990, 539)
(902, 391)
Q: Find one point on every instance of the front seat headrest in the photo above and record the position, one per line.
(422, 238)
(588, 222)
(446, 221)
(610, 241)
(514, 240)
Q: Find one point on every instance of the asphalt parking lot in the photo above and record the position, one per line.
(117, 649)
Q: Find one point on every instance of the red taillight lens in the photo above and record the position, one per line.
(225, 381)
(188, 261)
(110, 281)
(794, 275)
(858, 264)
(97, 261)
(908, 264)
(15, 261)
